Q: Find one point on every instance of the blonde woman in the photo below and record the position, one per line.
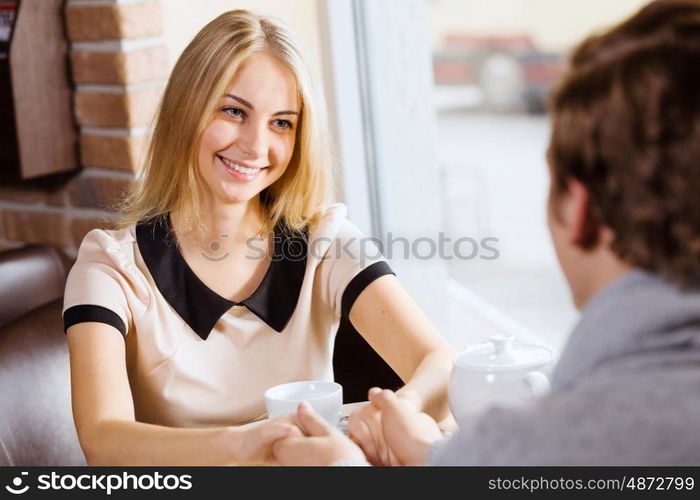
(224, 277)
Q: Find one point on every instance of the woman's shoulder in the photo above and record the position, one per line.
(333, 222)
(104, 275)
(335, 233)
(98, 244)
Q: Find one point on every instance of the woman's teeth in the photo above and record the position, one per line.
(239, 168)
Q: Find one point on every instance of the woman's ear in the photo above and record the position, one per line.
(584, 228)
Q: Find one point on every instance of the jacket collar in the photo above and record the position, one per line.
(638, 317)
(200, 307)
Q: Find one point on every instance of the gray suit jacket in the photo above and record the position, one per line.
(626, 390)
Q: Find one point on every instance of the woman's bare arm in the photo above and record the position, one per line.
(393, 324)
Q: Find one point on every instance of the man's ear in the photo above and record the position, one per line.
(585, 229)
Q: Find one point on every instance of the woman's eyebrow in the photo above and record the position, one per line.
(251, 107)
(241, 100)
(285, 113)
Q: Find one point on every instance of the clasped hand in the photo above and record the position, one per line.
(390, 430)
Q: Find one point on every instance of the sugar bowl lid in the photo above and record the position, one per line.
(501, 352)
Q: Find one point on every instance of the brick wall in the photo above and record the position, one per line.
(119, 64)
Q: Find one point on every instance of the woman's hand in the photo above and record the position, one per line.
(407, 434)
(252, 443)
(321, 444)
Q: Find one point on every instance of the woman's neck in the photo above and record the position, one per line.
(230, 225)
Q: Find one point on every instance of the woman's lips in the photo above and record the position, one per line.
(239, 171)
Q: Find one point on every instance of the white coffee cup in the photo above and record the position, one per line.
(326, 398)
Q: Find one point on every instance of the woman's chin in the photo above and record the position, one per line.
(236, 196)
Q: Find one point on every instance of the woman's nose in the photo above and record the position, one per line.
(251, 142)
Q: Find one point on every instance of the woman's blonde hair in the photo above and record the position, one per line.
(170, 179)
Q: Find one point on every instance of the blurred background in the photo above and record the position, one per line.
(494, 64)
(438, 117)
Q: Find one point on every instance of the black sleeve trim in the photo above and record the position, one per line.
(86, 313)
(360, 282)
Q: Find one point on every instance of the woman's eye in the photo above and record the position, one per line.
(234, 112)
(283, 124)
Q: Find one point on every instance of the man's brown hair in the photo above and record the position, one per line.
(626, 124)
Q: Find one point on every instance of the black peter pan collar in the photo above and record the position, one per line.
(198, 305)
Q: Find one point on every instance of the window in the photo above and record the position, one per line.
(453, 93)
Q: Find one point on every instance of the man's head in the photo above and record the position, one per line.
(624, 154)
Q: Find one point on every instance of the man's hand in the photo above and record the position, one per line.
(407, 432)
(365, 428)
(322, 444)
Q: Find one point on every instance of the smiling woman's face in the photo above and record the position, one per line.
(250, 140)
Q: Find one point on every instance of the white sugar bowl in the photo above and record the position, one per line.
(497, 372)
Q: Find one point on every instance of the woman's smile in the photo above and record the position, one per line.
(240, 170)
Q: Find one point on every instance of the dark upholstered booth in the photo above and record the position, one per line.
(36, 423)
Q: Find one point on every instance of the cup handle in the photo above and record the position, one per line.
(537, 384)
